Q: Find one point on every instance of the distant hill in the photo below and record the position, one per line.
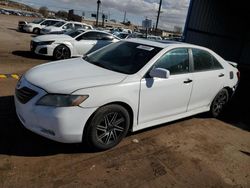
(12, 4)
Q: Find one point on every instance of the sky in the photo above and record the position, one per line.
(173, 12)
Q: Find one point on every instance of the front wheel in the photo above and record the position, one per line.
(108, 127)
(36, 31)
(61, 52)
(219, 102)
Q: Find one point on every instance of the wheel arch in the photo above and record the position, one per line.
(123, 104)
(39, 29)
(230, 91)
(63, 44)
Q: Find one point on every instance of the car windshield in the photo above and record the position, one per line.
(74, 33)
(59, 24)
(124, 57)
(37, 21)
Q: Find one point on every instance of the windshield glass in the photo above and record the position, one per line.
(124, 57)
(37, 21)
(59, 24)
(74, 33)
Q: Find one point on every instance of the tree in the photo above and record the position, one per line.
(62, 14)
(44, 11)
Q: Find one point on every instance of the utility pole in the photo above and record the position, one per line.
(159, 11)
(124, 19)
(97, 14)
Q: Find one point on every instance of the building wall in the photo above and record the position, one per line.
(221, 26)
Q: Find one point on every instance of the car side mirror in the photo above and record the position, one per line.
(159, 73)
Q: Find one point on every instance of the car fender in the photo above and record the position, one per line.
(127, 93)
(68, 44)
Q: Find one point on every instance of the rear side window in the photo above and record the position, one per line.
(90, 36)
(176, 61)
(204, 61)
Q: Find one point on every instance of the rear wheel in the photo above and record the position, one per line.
(61, 52)
(108, 127)
(219, 103)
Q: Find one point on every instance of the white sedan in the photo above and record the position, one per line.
(72, 44)
(129, 85)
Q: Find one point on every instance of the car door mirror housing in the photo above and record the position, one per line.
(159, 73)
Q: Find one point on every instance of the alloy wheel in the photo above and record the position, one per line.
(110, 128)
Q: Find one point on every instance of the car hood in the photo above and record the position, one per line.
(52, 38)
(68, 76)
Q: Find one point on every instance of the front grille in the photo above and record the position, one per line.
(25, 94)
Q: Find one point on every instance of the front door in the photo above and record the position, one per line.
(160, 98)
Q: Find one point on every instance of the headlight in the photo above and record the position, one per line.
(45, 42)
(60, 100)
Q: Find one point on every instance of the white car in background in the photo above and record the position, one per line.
(38, 24)
(129, 85)
(72, 44)
(64, 26)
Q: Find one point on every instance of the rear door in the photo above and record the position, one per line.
(208, 76)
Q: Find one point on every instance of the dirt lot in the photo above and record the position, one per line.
(193, 152)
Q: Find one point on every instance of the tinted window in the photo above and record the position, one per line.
(52, 22)
(68, 26)
(78, 26)
(95, 36)
(46, 22)
(90, 36)
(59, 24)
(176, 61)
(124, 57)
(204, 61)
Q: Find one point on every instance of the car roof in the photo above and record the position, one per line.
(162, 43)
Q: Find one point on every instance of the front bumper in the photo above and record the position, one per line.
(46, 50)
(64, 124)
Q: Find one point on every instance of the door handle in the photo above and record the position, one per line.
(221, 75)
(187, 81)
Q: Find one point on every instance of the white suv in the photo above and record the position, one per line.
(38, 24)
(63, 26)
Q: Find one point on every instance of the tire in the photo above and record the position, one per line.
(219, 103)
(107, 127)
(61, 52)
(36, 31)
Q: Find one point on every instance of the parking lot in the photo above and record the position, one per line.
(194, 152)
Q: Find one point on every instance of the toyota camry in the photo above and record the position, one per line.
(126, 86)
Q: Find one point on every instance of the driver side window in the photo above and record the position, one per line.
(68, 26)
(46, 22)
(176, 61)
